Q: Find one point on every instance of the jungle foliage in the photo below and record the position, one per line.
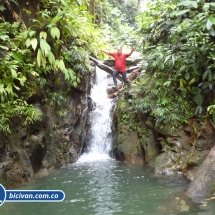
(178, 45)
(118, 20)
(55, 43)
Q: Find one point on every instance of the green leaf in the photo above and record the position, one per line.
(209, 24)
(72, 74)
(55, 32)
(22, 80)
(9, 89)
(18, 57)
(173, 59)
(31, 33)
(43, 35)
(188, 4)
(75, 84)
(212, 32)
(28, 42)
(2, 90)
(212, 19)
(39, 57)
(60, 65)
(13, 73)
(205, 75)
(4, 37)
(182, 68)
(43, 59)
(206, 6)
(193, 80)
(198, 110)
(182, 82)
(179, 13)
(15, 2)
(56, 18)
(167, 83)
(187, 76)
(198, 99)
(51, 58)
(2, 8)
(167, 58)
(4, 47)
(79, 2)
(34, 43)
(34, 73)
(45, 47)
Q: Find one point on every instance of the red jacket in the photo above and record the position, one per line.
(120, 60)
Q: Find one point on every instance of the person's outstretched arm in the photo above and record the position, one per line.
(132, 49)
(106, 52)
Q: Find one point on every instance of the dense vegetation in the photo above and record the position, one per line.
(55, 43)
(55, 39)
(178, 45)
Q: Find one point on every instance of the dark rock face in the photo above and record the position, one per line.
(134, 141)
(191, 153)
(138, 138)
(203, 184)
(54, 141)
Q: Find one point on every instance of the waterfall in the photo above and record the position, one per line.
(100, 132)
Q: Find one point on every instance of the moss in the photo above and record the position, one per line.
(212, 188)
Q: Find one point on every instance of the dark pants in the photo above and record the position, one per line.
(124, 77)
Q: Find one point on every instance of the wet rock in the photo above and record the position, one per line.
(53, 142)
(169, 151)
(22, 133)
(203, 184)
(150, 146)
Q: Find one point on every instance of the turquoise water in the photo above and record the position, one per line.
(99, 185)
(107, 187)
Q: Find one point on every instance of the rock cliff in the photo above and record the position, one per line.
(54, 141)
(139, 138)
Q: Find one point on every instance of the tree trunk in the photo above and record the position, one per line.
(203, 185)
(92, 10)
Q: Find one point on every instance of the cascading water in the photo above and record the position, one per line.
(100, 131)
(107, 186)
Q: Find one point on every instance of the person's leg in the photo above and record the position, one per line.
(124, 77)
(115, 73)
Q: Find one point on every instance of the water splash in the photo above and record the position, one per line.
(101, 138)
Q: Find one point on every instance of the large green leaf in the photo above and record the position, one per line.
(51, 58)
(210, 22)
(4, 47)
(45, 47)
(39, 57)
(2, 90)
(2, 8)
(17, 57)
(57, 18)
(4, 37)
(43, 35)
(22, 80)
(207, 5)
(55, 32)
(179, 13)
(198, 99)
(192, 4)
(34, 43)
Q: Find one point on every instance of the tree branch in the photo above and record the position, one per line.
(15, 15)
